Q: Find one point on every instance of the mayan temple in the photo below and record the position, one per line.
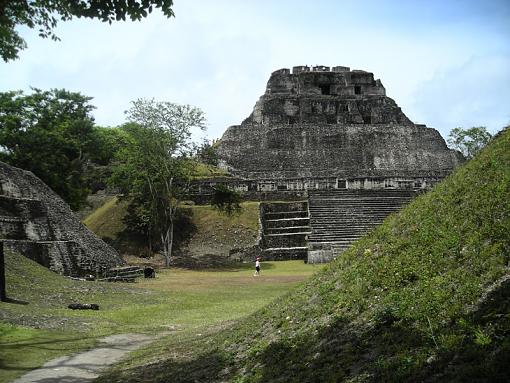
(334, 138)
(335, 129)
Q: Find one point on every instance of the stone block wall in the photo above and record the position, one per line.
(37, 223)
(285, 227)
(317, 123)
(280, 151)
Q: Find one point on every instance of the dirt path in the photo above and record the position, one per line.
(86, 366)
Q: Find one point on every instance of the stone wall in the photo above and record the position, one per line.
(322, 96)
(37, 223)
(321, 125)
(284, 228)
(256, 151)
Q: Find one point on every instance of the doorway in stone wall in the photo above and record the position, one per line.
(325, 89)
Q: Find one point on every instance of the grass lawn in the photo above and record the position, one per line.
(38, 326)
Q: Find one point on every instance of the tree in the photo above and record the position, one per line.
(50, 134)
(207, 154)
(44, 15)
(226, 200)
(106, 142)
(469, 141)
(154, 169)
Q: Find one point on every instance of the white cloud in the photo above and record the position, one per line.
(473, 94)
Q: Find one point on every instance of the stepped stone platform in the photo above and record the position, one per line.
(37, 223)
(331, 135)
(322, 128)
(285, 227)
(340, 217)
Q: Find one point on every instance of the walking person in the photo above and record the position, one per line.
(257, 267)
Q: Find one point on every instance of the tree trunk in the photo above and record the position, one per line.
(3, 294)
(169, 241)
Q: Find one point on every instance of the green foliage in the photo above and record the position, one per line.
(44, 15)
(153, 170)
(469, 141)
(202, 170)
(201, 231)
(206, 153)
(51, 134)
(107, 141)
(226, 200)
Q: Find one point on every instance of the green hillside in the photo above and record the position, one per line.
(207, 233)
(425, 297)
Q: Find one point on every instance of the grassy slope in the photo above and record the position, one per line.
(425, 297)
(217, 233)
(182, 301)
(107, 220)
(207, 171)
(214, 233)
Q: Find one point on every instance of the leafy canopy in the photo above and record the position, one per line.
(154, 169)
(207, 154)
(469, 141)
(226, 200)
(44, 15)
(51, 134)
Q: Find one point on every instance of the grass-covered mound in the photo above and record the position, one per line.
(425, 297)
(204, 232)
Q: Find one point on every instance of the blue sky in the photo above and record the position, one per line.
(446, 63)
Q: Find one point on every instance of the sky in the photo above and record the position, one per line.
(446, 63)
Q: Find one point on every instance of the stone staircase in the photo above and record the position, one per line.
(340, 217)
(285, 227)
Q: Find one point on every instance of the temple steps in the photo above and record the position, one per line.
(289, 229)
(285, 253)
(285, 227)
(340, 217)
(286, 215)
(288, 222)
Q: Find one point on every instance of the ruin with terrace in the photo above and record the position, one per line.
(343, 153)
(36, 223)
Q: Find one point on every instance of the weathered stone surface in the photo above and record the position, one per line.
(37, 223)
(315, 123)
(322, 130)
(284, 229)
(307, 150)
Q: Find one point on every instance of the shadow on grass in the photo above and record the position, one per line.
(204, 368)
(392, 351)
(337, 352)
(23, 348)
(15, 301)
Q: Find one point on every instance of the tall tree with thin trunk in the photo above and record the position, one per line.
(154, 168)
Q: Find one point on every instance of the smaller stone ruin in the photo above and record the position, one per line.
(37, 223)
